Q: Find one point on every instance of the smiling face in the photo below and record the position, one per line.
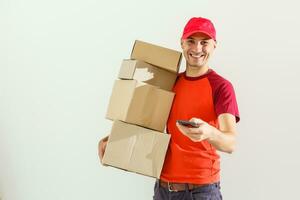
(197, 49)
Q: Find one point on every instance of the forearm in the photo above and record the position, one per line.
(223, 141)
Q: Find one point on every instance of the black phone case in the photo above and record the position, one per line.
(188, 123)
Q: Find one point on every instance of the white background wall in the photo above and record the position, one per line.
(58, 61)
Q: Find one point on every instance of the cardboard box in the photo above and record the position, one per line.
(159, 56)
(140, 103)
(144, 72)
(136, 149)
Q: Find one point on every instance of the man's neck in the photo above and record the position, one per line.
(196, 71)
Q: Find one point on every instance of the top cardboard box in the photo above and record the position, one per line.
(159, 56)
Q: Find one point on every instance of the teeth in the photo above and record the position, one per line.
(196, 56)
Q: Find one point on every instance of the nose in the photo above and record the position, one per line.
(198, 46)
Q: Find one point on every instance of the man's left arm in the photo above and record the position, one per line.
(223, 139)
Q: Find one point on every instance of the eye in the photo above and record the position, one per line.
(204, 42)
(190, 41)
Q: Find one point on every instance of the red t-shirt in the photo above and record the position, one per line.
(203, 97)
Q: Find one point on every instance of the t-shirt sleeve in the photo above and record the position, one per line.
(225, 101)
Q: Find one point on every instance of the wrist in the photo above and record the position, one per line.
(213, 134)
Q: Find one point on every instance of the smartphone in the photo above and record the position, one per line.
(188, 123)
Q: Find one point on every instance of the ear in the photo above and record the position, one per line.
(215, 44)
(181, 43)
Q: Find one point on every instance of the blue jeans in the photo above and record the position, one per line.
(208, 192)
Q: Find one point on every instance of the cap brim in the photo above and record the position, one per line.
(185, 36)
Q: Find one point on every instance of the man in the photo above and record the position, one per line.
(191, 169)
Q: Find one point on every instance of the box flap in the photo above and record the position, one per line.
(120, 99)
(145, 72)
(127, 69)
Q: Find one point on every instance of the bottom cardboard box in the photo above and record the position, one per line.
(136, 149)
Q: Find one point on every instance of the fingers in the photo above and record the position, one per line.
(197, 120)
(195, 134)
(195, 139)
(192, 133)
(183, 129)
(188, 130)
(101, 149)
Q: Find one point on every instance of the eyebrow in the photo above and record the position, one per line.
(200, 39)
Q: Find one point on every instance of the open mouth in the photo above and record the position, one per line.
(196, 56)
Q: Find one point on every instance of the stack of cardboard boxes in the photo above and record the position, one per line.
(139, 105)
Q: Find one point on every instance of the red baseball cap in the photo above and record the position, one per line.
(199, 25)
